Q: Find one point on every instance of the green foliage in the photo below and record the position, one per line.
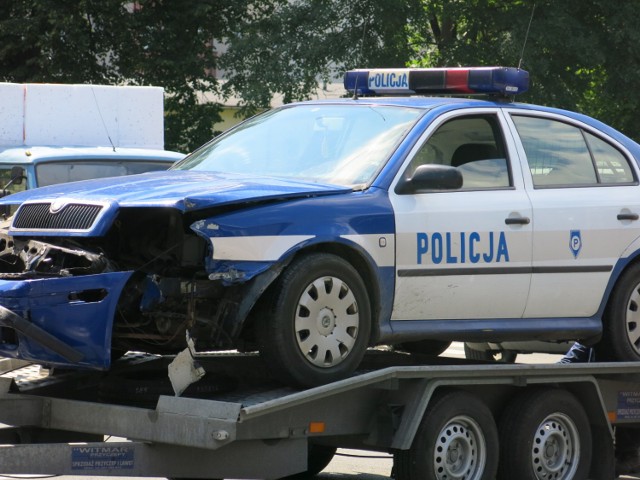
(289, 48)
(582, 54)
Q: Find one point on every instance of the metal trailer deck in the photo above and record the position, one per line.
(247, 426)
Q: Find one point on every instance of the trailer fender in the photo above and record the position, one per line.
(584, 387)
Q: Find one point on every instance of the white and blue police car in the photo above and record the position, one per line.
(315, 230)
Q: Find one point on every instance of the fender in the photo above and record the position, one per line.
(629, 256)
(247, 243)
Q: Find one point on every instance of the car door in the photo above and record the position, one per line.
(466, 253)
(585, 200)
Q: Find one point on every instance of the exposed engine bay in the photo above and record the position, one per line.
(167, 293)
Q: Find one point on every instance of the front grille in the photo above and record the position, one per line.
(38, 216)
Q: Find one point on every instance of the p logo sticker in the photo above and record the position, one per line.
(575, 243)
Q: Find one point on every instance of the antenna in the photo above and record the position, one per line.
(102, 119)
(364, 32)
(526, 36)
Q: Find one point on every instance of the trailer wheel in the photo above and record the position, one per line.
(457, 439)
(318, 457)
(318, 322)
(621, 336)
(544, 434)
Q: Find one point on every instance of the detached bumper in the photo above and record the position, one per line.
(60, 321)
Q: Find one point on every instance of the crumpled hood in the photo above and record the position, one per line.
(181, 189)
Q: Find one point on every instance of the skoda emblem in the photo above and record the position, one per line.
(575, 243)
(57, 205)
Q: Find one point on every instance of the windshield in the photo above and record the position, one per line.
(62, 172)
(337, 144)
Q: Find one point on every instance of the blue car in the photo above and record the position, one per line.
(316, 230)
(25, 167)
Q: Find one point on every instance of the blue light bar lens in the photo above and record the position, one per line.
(468, 81)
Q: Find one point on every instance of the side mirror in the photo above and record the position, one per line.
(429, 178)
(17, 175)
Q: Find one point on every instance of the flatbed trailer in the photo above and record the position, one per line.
(441, 418)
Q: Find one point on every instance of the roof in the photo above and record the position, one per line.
(409, 101)
(36, 154)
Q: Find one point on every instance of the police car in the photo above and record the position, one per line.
(318, 229)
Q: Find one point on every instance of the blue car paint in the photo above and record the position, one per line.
(179, 189)
(170, 189)
(354, 213)
(40, 300)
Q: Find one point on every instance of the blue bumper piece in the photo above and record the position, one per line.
(60, 321)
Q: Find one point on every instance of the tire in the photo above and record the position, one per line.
(457, 439)
(318, 457)
(318, 323)
(424, 347)
(545, 434)
(487, 356)
(621, 335)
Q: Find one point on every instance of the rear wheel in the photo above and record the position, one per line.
(545, 435)
(457, 439)
(621, 339)
(318, 322)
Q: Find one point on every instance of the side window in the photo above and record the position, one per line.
(474, 145)
(560, 154)
(611, 164)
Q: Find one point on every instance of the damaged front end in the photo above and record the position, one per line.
(80, 300)
(47, 293)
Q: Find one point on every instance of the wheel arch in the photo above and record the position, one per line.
(497, 394)
(618, 272)
(350, 253)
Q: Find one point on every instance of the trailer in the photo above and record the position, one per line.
(440, 418)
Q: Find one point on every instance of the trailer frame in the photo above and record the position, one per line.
(57, 424)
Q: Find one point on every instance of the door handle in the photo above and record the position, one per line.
(517, 221)
(628, 216)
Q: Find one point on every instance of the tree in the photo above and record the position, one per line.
(149, 42)
(290, 48)
(581, 54)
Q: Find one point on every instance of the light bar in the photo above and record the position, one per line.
(466, 81)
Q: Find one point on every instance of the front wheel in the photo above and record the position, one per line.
(318, 321)
(621, 336)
